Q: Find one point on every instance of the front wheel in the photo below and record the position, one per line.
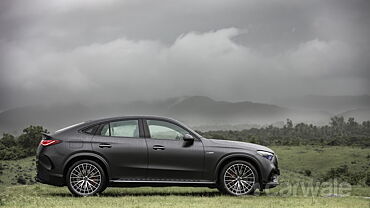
(86, 178)
(238, 178)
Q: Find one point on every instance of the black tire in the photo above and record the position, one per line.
(242, 179)
(92, 175)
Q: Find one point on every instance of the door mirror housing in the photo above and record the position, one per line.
(188, 137)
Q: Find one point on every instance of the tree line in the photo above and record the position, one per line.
(12, 148)
(338, 132)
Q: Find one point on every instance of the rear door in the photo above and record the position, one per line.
(170, 157)
(121, 142)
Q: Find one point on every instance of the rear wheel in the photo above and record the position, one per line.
(238, 178)
(86, 178)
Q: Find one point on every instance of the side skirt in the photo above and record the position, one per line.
(160, 183)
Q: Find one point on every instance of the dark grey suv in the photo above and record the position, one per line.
(136, 151)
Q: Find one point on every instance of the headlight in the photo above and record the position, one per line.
(267, 155)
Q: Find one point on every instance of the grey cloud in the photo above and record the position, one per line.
(94, 51)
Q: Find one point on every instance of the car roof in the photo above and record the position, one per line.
(131, 117)
(86, 124)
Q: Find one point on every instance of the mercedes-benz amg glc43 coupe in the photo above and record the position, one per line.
(136, 151)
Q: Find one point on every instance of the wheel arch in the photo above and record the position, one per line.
(240, 156)
(86, 156)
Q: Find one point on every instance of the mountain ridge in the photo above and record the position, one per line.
(196, 110)
(193, 110)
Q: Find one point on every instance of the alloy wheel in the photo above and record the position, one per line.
(239, 179)
(85, 179)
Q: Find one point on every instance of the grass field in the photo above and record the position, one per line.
(45, 196)
(293, 160)
(320, 159)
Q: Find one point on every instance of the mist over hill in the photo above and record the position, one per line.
(360, 114)
(331, 104)
(199, 112)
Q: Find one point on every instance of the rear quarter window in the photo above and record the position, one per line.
(91, 130)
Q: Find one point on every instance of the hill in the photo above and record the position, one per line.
(200, 112)
(331, 104)
(359, 114)
(195, 110)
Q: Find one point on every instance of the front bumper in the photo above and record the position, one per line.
(273, 183)
(273, 177)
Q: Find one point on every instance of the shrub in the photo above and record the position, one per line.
(307, 173)
(12, 148)
(343, 173)
(367, 182)
(21, 180)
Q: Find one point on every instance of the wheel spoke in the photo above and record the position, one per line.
(239, 179)
(85, 178)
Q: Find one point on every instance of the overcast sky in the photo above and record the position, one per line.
(113, 50)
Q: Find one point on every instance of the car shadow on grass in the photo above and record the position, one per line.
(139, 194)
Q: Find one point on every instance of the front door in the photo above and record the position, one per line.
(126, 151)
(169, 156)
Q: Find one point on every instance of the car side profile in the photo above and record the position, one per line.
(134, 151)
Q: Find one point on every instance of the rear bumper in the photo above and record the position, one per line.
(50, 180)
(46, 176)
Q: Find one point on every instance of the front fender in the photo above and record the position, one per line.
(235, 156)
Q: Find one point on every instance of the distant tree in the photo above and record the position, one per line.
(338, 124)
(366, 124)
(8, 140)
(339, 132)
(351, 122)
(337, 121)
(30, 138)
(289, 124)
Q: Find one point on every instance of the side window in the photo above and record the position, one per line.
(126, 128)
(91, 130)
(105, 131)
(165, 130)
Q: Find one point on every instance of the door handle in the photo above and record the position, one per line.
(158, 147)
(105, 145)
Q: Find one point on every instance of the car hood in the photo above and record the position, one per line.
(236, 144)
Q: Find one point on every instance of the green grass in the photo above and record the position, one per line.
(321, 159)
(12, 169)
(293, 160)
(47, 196)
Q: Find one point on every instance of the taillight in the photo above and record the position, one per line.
(48, 142)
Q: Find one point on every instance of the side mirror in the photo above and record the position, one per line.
(188, 138)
